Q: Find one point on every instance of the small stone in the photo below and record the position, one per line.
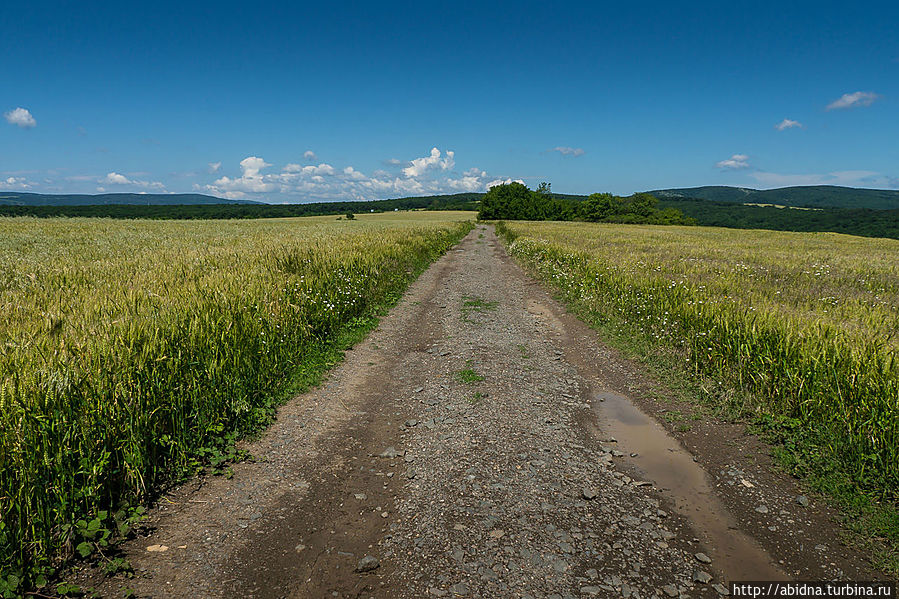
(746, 483)
(802, 500)
(701, 577)
(592, 574)
(391, 452)
(670, 590)
(300, 548)
(460, 588)
(721, 589)
(762, 509)
(590, 591)
(702, 558)
(437, 592)
(496, 533)
(157, 548)
(411, 422)
(367, 564)
(360, 496)
(418, 389)
(588, 494)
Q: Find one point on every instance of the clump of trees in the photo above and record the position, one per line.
(515, 201)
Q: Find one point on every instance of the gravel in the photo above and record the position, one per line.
(516, 458)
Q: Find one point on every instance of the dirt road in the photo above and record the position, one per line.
(482, 442)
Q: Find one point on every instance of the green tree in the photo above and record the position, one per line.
(507, 201)
(599, 207)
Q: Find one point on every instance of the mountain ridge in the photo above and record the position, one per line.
(800, 196)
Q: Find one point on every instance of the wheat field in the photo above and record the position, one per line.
(135, 352)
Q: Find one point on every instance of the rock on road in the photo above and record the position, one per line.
(453, 453)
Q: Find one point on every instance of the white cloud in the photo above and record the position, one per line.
(115, 178)
(16, 183)
(214, 167)
(788, 124)
(737, 161)
(310, 156)
(353, 174)
(251, 165)
(568, 151)
(20, 117)
(432, 175)
(251, 181)
(853, 100)
(418, 166)
(393, 162)
(496, 182)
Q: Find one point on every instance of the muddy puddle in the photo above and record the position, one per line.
(661, 460)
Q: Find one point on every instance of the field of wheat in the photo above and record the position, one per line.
(803, 325)
(132, 352)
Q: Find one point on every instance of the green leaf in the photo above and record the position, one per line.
(84, 549)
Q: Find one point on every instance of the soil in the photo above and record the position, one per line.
(482, 442)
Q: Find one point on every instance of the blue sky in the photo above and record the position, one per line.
(307, 102)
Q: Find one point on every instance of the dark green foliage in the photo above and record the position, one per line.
(14, 198)
(460, 201)
(851, 221)
(811, 196)
(514, 201)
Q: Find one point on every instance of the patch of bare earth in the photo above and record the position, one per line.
(463, 450)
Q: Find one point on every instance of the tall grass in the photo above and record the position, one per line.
(804, 324)
(127, 349)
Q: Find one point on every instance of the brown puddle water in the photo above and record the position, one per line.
(662, 461)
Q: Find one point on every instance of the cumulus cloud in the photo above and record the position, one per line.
(15, 183)
(20, 117)
(418, 166)
(393, 162)
(114, 178)
(214, 167)
(251, 181)
(432, 174)
(735, 162)
(568, 151)
(787, 124)
(853, 100)
(117, 179)
(310, 156)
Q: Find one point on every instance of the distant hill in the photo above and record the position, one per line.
(812, 196)
(14, 198)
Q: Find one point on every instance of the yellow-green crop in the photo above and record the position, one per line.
(804, 323)
(128, 348)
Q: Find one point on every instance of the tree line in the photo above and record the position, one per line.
(515, 201)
